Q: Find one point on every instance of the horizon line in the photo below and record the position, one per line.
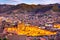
(26, 3)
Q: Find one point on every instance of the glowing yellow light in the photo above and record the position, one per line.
(29, 30)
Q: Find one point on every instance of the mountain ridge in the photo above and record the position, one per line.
(31, 8)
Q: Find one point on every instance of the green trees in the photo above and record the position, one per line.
(0, 38)
(5, 39)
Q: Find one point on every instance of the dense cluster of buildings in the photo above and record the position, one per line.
(45, 21)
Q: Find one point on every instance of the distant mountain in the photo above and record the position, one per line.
(29, 8)
(5, 7)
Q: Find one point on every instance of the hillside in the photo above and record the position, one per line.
(31, 8)
(32, 14)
